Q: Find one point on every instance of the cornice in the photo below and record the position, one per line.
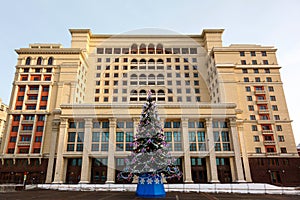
(126, 106)
(49, 51)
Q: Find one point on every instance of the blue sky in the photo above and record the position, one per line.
(268, 22)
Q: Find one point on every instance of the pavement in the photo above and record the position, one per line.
(57, 195)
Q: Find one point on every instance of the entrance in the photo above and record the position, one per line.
(99, 170)
(73, 170)
(199, 173)
(224, 172)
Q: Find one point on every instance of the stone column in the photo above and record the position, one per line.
(237, 151)
(212, 153)
(60, 168)
(53, 146)
(86, 164)
(247, 171)
(186, 148)
(111, 151)
(136, 122)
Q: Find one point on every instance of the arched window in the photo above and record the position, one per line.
(50, 61)
(143, 76)
(151, 76)
(152, 91)
(39, 61)
(133, 92)
(143, 92)
(151, 61)
(134, 49)
(28, 60)
(161, 92)
(143, 61)
(133, 76)
(160, 76)
(160, 61)
(142, 49)
(151, 49)
(159, 49)
(133, 61)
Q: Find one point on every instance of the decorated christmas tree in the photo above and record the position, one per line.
(150, 157)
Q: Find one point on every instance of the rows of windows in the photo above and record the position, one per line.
(254, 62)
(248, 89)
(256, 71)
(146, 49)
(270, 150)
(257, 79)
(39, 61)
(253, 53)
(145, 67)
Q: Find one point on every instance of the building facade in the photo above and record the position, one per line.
(3, 115)
(74, 111)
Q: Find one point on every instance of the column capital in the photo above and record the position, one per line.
(55, 123)
(112, 122)
(136, 119)
(208, 122)
(64, 121)
(232, 121)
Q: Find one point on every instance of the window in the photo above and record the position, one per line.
(15, 129)
(28, 60)
(257, 79)
(254, 62)
(44, 98)
(100, 50)
(100, 139)
(242, 53)
(243, 62)
(264, 53)
(194, 60)
(252, 53)
(276, 117)
(20, 98)
(177, 60)
(193, 50)
(17, 118)
(246, 79)
(267, 71)
(257, 150)
(249, 98)
(272, 98)
(251, 108)
(278, 127)
(40, 128)
(107, 60)
(221, 139)
(13, 139)
(271, 89)
(256, 138)
(254, 128)
(274, 107)
(265, 62)
(248, 89)
(38, 139)
(269, 79)
(252, 117)
(255, 71)
(281, 138)
(283, 150)
(197, 141)
(50, 61)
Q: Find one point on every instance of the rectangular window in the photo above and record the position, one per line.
(257, 150)
(246, 79)
(254, 128)
(271, 89)
(251, 108)
(269, 79)
(252, 53)
(242, 53)
(254, 62)
(281, 138)
(272, 98)
(265, 62)
(243, 62)
(278, 127)
(283, 150)
(264, 53)
(249, 98)
(256, 138)
(252, 117)
(248, 89)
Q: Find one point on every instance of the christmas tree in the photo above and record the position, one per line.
(150, 157)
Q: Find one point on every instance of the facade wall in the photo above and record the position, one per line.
(3, 116)
(77, 108)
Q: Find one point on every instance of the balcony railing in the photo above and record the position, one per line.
(259, 92)
(24, 143)
(263, 111)
(267, 131)
(269, 142)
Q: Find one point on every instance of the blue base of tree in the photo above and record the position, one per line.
(150, 187)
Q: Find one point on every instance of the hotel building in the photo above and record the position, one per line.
(74, 111)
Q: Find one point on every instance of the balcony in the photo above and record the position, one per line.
(31, 101)
(271, 153)
(263, 111)
(267, 131)
(261, 101)
(33, 92)
(27, 122)
(24, 143)
(259, 92)
(25, 132)
(269, 142)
